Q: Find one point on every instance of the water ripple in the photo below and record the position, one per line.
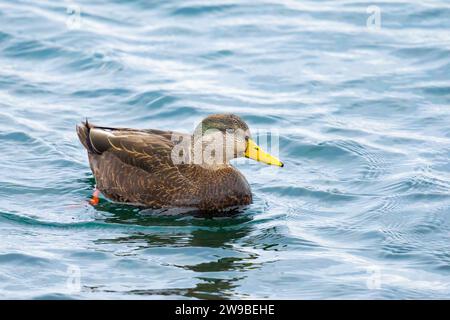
(362, 117)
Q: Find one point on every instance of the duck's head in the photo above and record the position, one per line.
(231, 132)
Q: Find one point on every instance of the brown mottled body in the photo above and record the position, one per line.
(135, 166)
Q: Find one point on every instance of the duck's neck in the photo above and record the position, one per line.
(210, 151)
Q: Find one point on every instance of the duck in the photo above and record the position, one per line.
(167, 169)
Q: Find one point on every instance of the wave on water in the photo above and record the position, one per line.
(361, 112)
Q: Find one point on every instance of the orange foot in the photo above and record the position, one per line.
(95, 198)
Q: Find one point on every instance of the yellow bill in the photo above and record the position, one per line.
(255, 152)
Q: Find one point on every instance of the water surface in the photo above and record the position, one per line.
(360, 210)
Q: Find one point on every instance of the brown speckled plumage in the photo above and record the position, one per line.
(135, 166)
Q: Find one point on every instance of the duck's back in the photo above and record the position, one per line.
(135, 166)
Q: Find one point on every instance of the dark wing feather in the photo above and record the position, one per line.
(136, 166)
(144, 150)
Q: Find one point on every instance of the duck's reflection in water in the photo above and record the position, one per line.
(216, 277)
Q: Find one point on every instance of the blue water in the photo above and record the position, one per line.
(360, 210)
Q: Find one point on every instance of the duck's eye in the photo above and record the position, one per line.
(246, 138)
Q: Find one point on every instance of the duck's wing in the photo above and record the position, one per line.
(132, 161)
(147, 149)
(96, 139)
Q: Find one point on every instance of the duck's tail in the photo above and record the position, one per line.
(83, 131)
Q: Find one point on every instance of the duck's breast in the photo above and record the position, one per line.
(225, 188)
